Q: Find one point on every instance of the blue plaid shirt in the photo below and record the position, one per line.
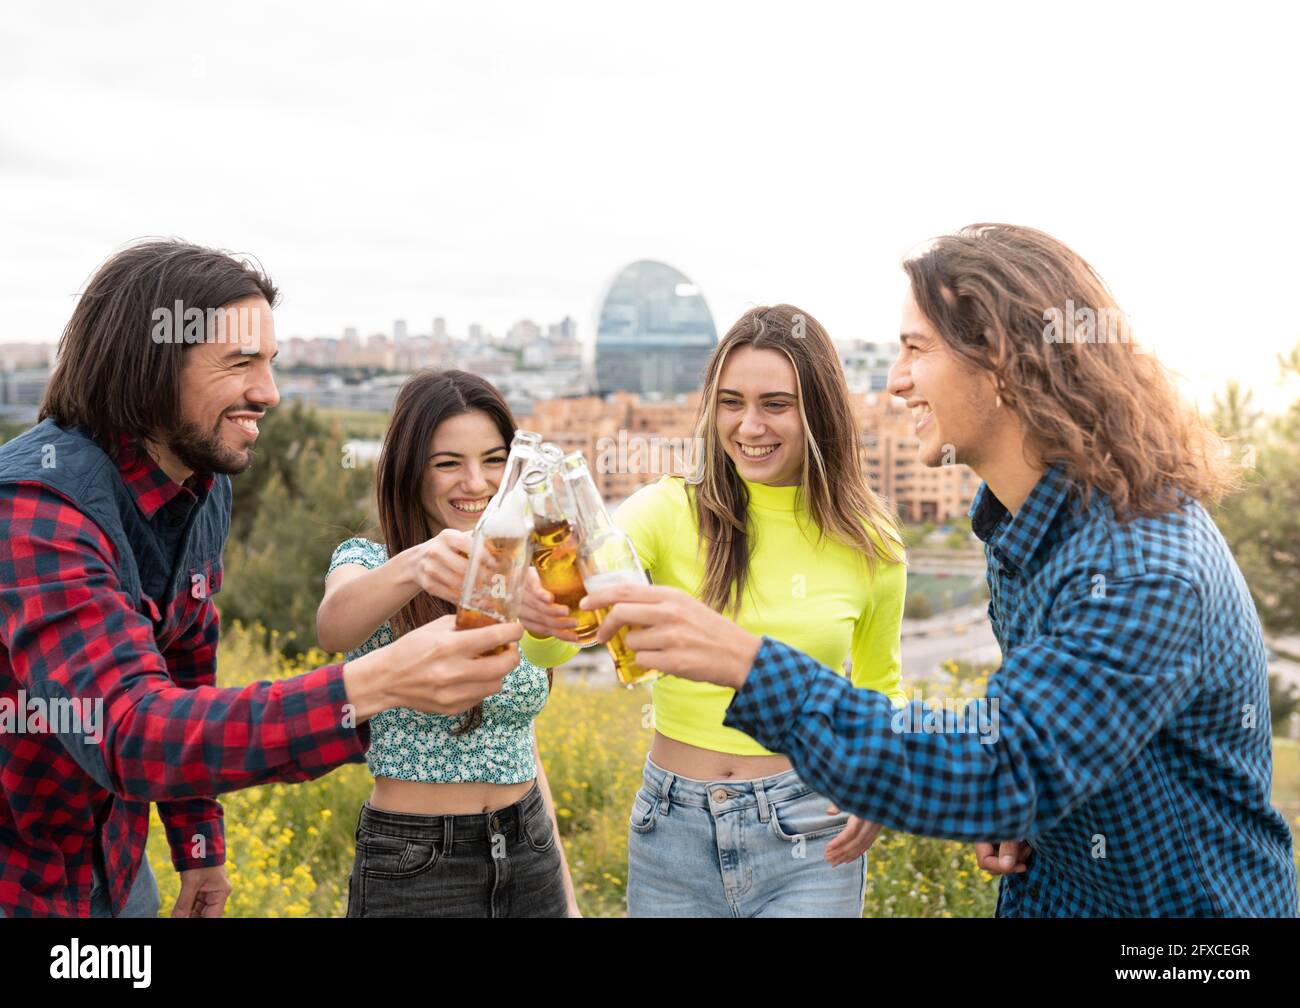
(1129, 744)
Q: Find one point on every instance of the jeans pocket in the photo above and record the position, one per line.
(393, 857)
(540, 831)
(805, 818)
(644, 809)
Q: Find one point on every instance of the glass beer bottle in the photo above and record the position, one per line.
(555, 550)
(523, 456)
(606, 557)
(498, 565)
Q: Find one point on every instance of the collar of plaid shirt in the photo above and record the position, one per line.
(152, 488)
(1014, 539)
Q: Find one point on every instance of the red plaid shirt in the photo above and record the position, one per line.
(168, 734)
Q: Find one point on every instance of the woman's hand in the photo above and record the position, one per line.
(439, 565)
(541, 615)
(676, 634)
(851, 842)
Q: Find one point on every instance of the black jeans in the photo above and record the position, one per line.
(494, 864)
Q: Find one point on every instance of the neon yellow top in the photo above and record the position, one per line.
(818, 597)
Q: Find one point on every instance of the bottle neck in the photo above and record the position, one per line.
(519, 459)
(587, 503)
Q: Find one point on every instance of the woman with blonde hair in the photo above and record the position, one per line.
(779, 530)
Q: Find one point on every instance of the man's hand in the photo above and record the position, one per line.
(851, 842)
(541, 615)
(676, 634)
(203, 892)
(1006, 858)
(434, 668)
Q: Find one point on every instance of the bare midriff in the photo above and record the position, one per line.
(467, 798)
(705, 764)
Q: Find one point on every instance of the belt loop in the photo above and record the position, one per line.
(666, 792)
(522, 804)
(448, 834)
(763, 811)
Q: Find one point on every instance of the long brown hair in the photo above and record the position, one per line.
(1109, 412)
(112, 375)
(424, 401)
(831, 483)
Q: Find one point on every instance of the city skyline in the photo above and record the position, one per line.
(393, 167)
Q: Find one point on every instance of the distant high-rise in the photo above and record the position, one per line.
(564, 331)
(399, 331)
(654, 334)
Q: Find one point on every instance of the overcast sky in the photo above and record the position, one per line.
(488, 162)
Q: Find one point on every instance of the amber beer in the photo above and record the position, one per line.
(555, 548)
(473, 619)
(498, 562)
(555, 555)
(625, 664)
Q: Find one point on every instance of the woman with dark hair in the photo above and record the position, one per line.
(460, 822)
(778, 529)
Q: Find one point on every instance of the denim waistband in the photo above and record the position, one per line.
(729, 794)
(476, 826)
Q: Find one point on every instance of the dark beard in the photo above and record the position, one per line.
(202, 453)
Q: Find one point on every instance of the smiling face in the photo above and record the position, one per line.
(226, 386)
(954, 404)
(757, 416)
(467, 459)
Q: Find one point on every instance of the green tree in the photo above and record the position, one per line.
(1261, 523)
(301, 499)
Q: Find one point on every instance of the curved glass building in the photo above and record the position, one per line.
(654, 333)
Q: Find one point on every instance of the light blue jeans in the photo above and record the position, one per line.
(736, 848)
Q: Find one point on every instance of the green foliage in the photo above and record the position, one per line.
(10, 429)
(297, 503)
(912, 535)
(918, 607)
(956, 539)
(1282, 702)
(365, 424)
(1262, 523)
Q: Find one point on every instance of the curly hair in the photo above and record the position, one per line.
(1025, 308)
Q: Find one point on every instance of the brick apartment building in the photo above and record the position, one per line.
(630, 442)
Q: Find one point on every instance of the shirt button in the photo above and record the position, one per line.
(719, 794)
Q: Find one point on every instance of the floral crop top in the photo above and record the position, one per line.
(411, 745)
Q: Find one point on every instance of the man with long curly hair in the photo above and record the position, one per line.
(1128, 751)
